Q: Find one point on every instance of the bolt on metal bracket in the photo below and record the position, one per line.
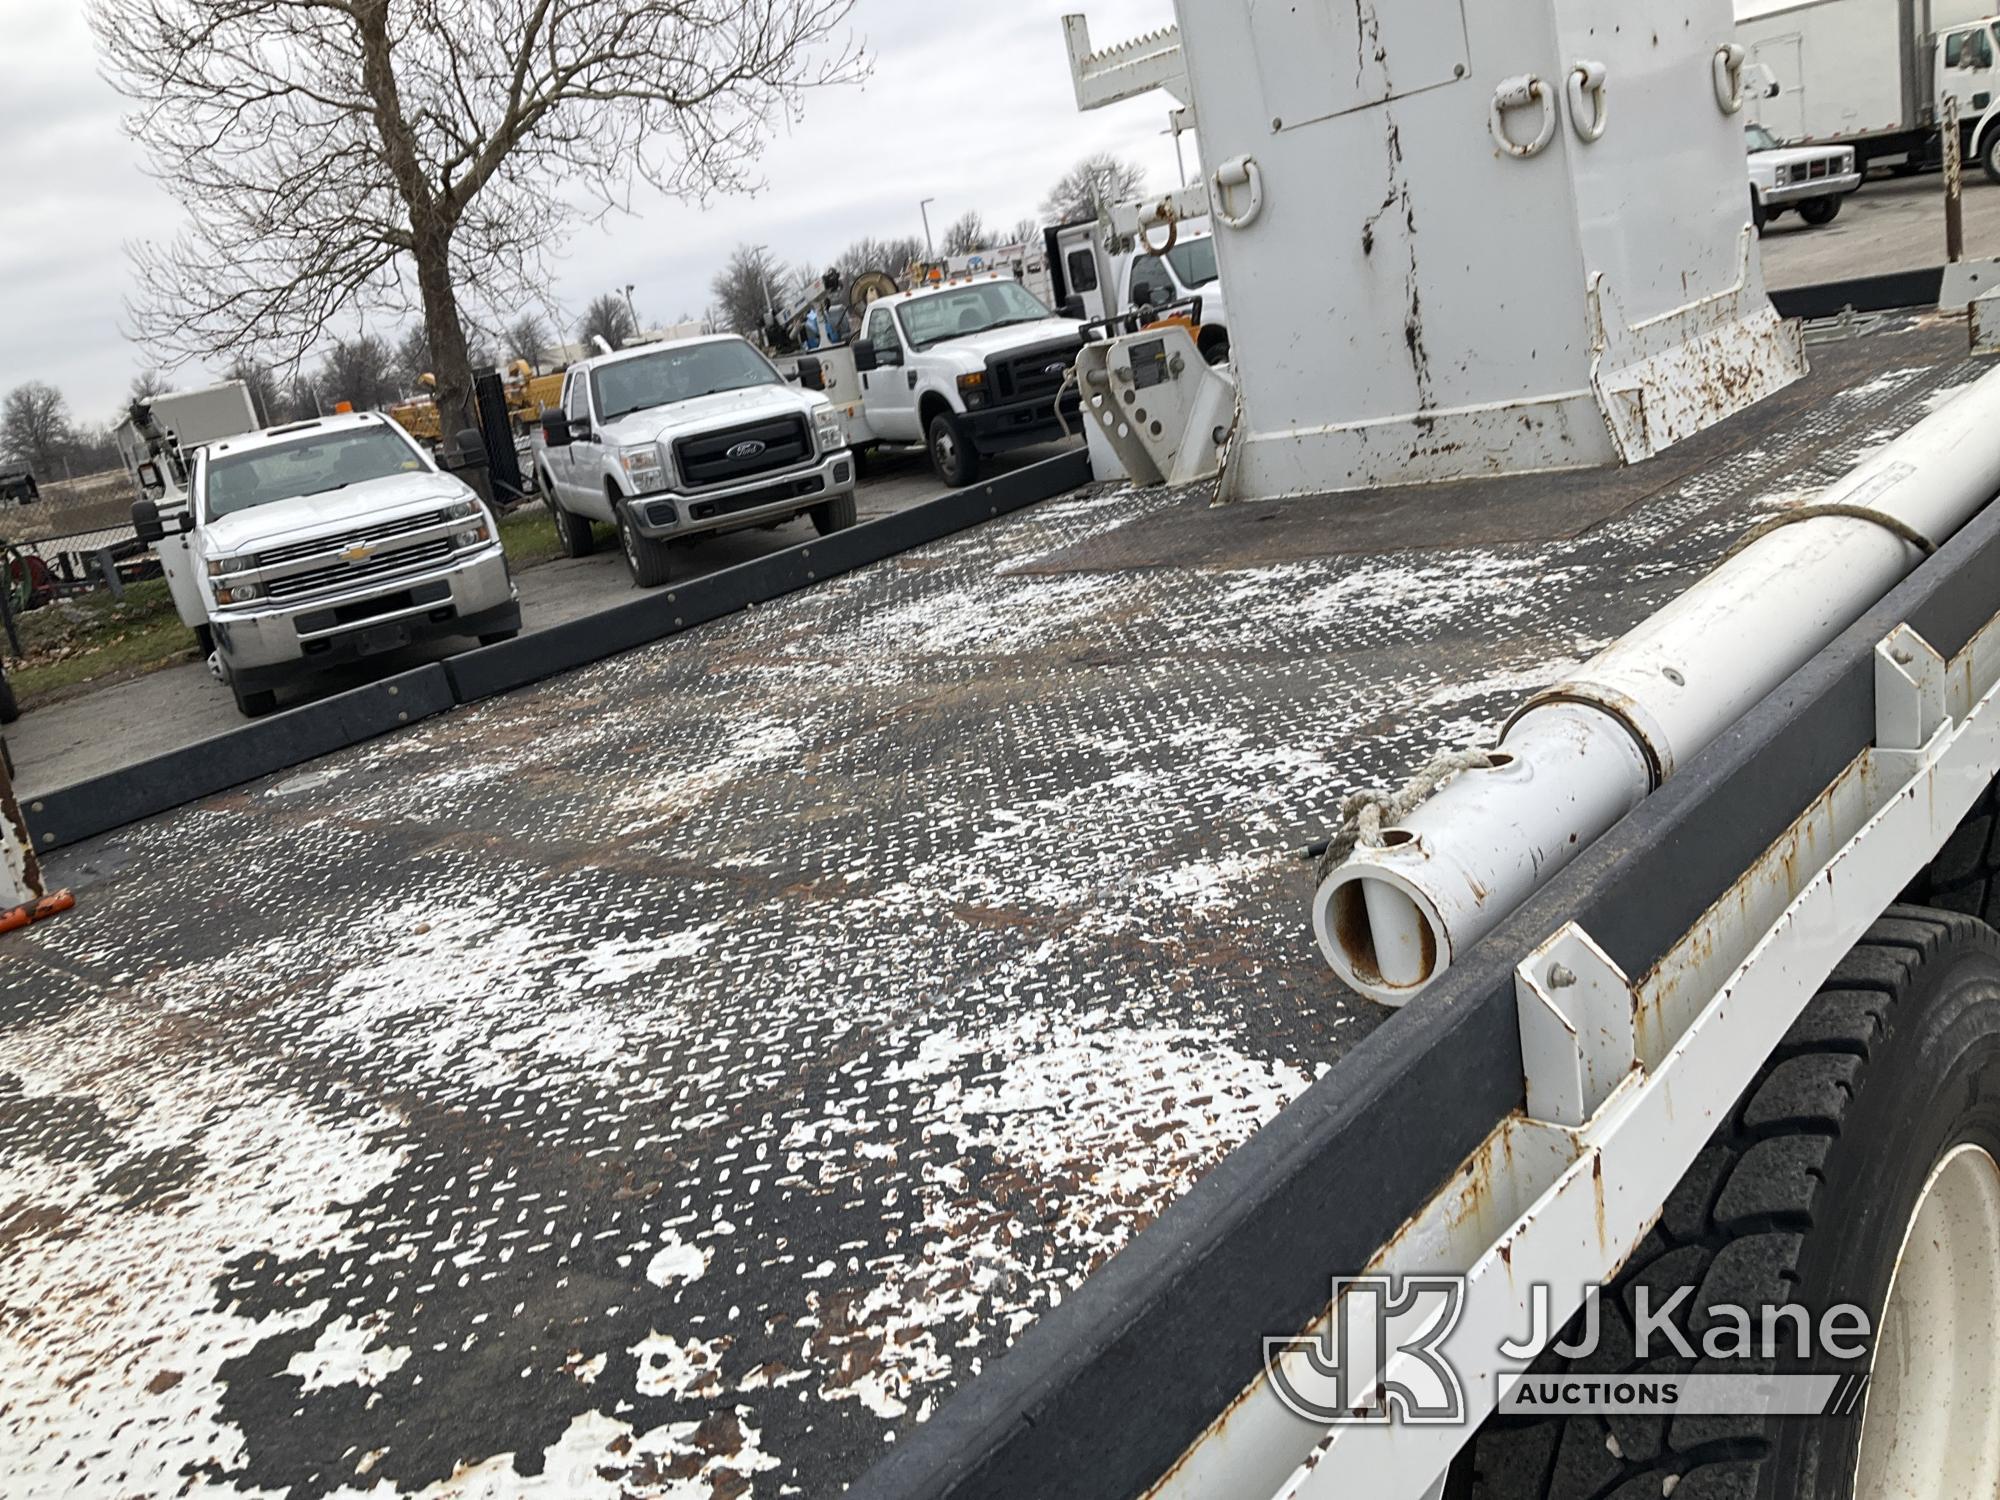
(1578, 1036)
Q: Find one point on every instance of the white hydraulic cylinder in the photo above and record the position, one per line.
(1391, 919)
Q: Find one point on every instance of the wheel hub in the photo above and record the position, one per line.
(1927, 1431)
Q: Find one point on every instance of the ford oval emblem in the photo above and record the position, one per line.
(1058, 368)
(749, 449)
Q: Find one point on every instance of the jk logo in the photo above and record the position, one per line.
(1378, 1359)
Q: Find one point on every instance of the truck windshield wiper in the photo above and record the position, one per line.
(328, 489)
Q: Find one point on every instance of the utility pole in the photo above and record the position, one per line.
(634, 311)
(924, 208)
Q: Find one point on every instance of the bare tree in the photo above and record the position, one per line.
(360, 371)
(1091, 186)
(35, 426)
(893, 256)
(147, 384)
(607, 318)
(1024, 232)
(528, 339)
(968, 233)
(343, 156)
(262, 383)
(747, 287)
(413, 358)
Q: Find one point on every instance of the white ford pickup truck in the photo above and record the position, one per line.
(688, 438)
(323, 542)
(966, 367)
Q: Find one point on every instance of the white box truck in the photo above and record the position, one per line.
(1873, 74)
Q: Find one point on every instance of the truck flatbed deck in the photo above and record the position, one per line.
(676, 1079)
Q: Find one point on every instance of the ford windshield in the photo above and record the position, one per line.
(678, 374)
(963, 310)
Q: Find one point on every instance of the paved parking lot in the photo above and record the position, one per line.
(1892, 224)
(68, 742)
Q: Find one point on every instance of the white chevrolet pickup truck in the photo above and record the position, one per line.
(688, 438)
(323, 542)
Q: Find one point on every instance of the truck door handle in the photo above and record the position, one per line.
(913, 380)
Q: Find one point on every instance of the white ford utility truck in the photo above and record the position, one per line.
(966, 367)
(688, 438)
(1098, 276)
(1811, 179)
(323, 542)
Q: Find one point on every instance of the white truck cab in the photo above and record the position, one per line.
(688, 438)
(968, 368)
(1098, 282)
(323, 542)
(1811, 179)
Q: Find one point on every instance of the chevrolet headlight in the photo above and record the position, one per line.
(643, 467)
(241, 563)
(828, 429)
(239, 593)
(465, 510)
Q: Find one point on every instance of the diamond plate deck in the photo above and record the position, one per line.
(673, 1080)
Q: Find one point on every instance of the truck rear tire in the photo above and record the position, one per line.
(1758, 217)
(952, 452)
(650, 561)
(1989, 155)
(572, 531)
(836, 515)
(10, 706)
(1859, 1167)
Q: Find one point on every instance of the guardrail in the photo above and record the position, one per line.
(85, 809)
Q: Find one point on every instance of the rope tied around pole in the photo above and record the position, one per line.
(1363, 815)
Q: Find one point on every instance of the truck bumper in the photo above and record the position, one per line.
(1818, 187)
(261, 649)
(670, 515)
(1000, 428)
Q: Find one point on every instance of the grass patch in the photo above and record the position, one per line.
(529, 536)
(92, 638)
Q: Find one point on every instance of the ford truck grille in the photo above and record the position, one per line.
(733, 454)
(1031, 374)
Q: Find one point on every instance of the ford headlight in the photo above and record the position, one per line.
(643, 467)
(829, 430)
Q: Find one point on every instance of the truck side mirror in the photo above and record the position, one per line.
(1142, 294)
(150, 482)
(470, 448)
(146, 522)
(555, 429)
(864, 356)
(810, 375)
(1073, 308)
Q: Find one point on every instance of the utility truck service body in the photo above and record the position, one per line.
(1099, 282)
(158, 440)
(1253, 987)
(1872, 74)
(668, 442)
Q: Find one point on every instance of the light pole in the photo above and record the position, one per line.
(634, 311)
(764, 279)
(924, 208)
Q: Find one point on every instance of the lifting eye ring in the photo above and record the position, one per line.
(1588, 111)
(1520, 93)
(1728, 69)
(1239, 172)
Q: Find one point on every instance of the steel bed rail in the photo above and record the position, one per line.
(1150, 1378)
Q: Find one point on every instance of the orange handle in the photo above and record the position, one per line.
(35, 911)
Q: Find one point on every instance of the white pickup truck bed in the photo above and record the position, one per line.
(678, 1078)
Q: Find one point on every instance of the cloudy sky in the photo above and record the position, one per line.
(976, 112)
